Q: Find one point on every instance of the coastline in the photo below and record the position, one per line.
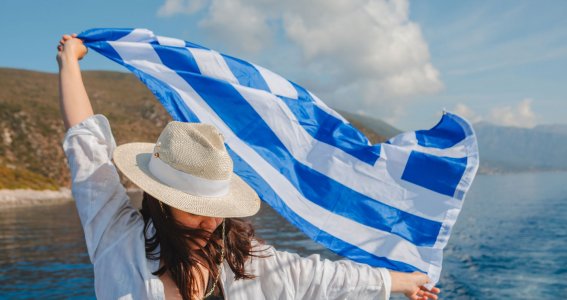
(23, 197)
(19, 197)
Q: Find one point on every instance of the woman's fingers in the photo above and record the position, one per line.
(429, 296)
(65, 38)
(434, 290)
(424, 293)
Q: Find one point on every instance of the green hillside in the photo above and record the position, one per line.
(372, 125)
(31, 128)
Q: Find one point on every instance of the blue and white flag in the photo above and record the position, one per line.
(387, 205)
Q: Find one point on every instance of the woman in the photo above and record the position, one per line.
(187, 241)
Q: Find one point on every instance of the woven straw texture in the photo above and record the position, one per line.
(197, 149)
(203, 154)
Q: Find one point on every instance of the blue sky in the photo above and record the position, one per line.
(497, 61)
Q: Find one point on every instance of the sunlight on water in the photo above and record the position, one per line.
(509, 242)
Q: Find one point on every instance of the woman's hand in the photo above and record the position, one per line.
(412, 285)
(70, 47)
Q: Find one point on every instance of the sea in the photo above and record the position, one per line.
(510, 242)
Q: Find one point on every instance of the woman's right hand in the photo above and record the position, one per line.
(70, 47)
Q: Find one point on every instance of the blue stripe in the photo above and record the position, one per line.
(439, 174)
(329, 129)
(447, 133)
(465, 126)
(246, 73)
(317, 122)
(192, 45)
(357, 254)
(104, 34)
(334, 244)
(243, 120)
(170, 99)
(181, 58)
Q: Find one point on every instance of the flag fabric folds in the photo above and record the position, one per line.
(387, 205)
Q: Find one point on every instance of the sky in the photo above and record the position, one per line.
(401, 61)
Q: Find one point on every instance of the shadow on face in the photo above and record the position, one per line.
(190, 220)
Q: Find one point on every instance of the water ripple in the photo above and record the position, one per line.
(509, 242)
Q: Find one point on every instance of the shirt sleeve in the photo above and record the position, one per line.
(313, 278)
(102, 203)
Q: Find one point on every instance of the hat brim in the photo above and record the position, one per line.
(240, 201)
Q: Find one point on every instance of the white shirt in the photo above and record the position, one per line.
(116, 245)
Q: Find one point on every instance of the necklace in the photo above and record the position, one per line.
(220, 264)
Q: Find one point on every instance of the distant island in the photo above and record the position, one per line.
(513, 149)
(31, 130)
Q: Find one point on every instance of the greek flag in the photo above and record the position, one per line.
(387, 205)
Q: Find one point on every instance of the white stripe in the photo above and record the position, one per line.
(138, 35)
(317, 155)
(409, 139)
(372, 240)
(186, 182)
(212, 64)
(277, 84)
(167, 41)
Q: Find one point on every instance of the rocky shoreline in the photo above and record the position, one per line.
(33, 197)
(22, 197)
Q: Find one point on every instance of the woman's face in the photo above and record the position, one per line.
(190, 220)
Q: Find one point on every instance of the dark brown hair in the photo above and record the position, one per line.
(173, 239)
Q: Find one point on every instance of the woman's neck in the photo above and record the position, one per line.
(171, 290)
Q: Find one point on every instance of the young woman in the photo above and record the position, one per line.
(187, 241)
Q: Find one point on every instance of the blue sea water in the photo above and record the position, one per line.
(509, 242)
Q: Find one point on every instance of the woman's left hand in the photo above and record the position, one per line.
(412, 285)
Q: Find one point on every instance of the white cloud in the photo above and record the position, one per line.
(520, 115)
(356, 55)
(244, 26)
(467, 113)
(172, 7)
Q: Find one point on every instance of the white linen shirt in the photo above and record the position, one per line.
(116, 245)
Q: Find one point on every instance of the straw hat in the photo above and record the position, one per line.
(190, 169)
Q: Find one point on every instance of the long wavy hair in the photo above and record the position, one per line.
(182, 263)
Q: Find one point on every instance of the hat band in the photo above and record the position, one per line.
(186, 182)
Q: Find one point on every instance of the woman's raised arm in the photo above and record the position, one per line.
(73, 99)
(108, 219)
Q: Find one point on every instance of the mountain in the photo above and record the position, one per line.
(31, 129)
(513, 149)
(554, 128)
(376, 125)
